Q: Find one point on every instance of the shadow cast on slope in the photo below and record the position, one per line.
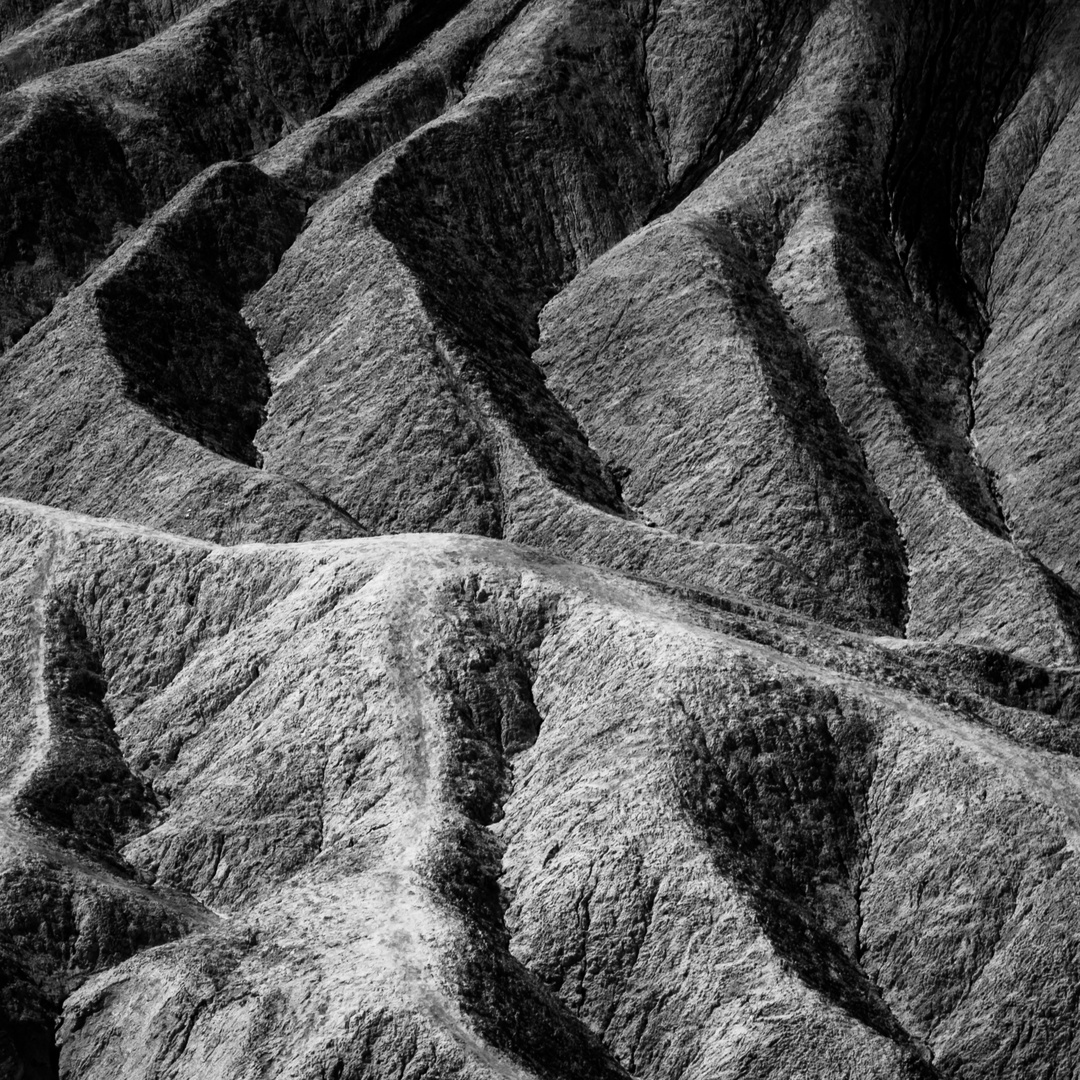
(171, 310)
(776, 783)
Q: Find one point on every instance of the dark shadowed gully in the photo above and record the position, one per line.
(539, 539)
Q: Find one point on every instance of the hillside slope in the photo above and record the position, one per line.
(433, 803)
(539, 538)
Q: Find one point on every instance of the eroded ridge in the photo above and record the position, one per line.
(525, 818)
(764, 305)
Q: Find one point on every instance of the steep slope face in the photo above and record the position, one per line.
(688, 374)
(1024, 397)
(475, 216)
(434, 803)
(88, 149)
(766, 305)
(149, 364)
(768, 389)
(789, 216)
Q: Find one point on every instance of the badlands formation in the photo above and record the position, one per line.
(539, 539)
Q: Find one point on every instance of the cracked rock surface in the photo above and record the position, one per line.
(538, 538)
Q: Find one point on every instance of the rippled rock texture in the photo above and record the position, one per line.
(539, 538)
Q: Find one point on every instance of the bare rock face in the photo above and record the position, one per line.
(435, 802)
(538, 538)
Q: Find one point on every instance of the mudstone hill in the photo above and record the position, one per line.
(539, 539)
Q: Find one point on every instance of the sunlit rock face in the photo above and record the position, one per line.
(539, 539)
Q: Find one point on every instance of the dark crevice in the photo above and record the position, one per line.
(84, 789)
(28, 1019)
(904, 608)
(1004, 527)
(994, 209)
(430, 18)
(465, 394)
(904, 600)
(782, 806)
(961, 71)
(925, 402)
(485, 276)
(356, 527)
(1065, 599)
(652, 13)
(203, 378)
(485, 671)
(53, 230)
(799, 389)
